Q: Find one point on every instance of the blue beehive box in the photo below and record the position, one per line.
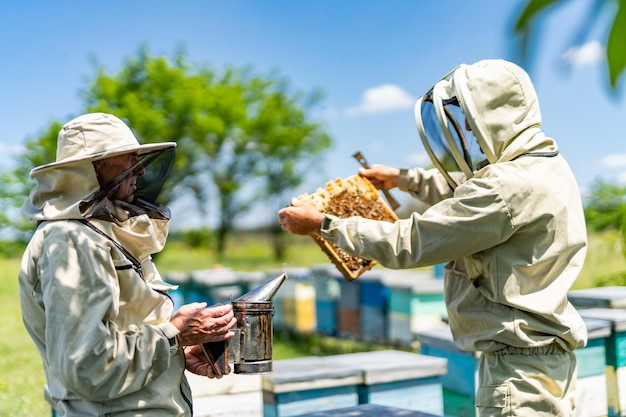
(416, 302)
(438, 271)
(179, 295)
(326, 280)
(349, 309)
(250, 280)
(214, 286)
(591, 392)
(615, 356)
(460, 381)
(373, 300)
(370, 410)
(304, 385)
(600, 297)
(400, 379)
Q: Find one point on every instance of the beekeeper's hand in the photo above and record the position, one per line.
(196, 362)
(300, 219)
(198, 323)
(382, 177)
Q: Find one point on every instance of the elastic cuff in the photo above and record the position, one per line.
(326, 221)
(170, 331)
(404, 179)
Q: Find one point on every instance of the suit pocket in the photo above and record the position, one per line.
(494, 401)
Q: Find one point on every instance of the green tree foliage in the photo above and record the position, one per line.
(16, 184)
(605, 208)
(240, 136)
(526, 27)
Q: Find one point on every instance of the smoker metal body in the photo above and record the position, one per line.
(251, 348)
(250, 351)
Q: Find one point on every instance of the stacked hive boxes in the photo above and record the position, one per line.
(349, 309)
(214, 286)
(181, 280)
(459, 382)
(400, 379)
(370, 410)
(294, 303)
(608, 304)
(373, 301)
(390, 378)
(615, 357)
(415, 303)
(303, 385)
(600, 297)
(326, 282)
(389, 305)
(250, 280)
(380, 306)
(591, 392)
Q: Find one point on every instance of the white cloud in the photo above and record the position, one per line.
(418, 160)
(8, 153)
(13, 149)
(588, 53)
(616, 160)
(384, 98)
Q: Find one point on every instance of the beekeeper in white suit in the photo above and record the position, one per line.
(505, 216)
(92, 300)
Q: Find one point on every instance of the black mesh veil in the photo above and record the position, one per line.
(452, 148)
(156, 167)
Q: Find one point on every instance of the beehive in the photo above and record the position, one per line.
(352, 196)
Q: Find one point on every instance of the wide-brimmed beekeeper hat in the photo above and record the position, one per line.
(96, 136)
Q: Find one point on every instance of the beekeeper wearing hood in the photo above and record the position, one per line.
(505, 215)
(92, 300)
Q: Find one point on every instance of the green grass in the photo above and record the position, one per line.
(605, 263)
(245, 253)
(21, 375)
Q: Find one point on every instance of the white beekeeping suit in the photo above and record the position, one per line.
(506, 217)
(92, 299)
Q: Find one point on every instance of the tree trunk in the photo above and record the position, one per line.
(278, 243)
(222, 234)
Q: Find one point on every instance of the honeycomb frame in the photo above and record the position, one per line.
(347, 197)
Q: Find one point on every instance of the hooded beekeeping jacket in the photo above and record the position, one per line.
(512, 232)
(92, 300)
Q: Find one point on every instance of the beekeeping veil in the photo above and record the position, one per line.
(479, 114)
(441, 124)
(68, 188)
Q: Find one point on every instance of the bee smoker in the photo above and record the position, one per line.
(250, 351)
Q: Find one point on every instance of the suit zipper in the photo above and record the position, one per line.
(180, 387)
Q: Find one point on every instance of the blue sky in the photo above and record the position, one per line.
(371, 58)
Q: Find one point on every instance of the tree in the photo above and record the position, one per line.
(16, 184)
(605, 206)
(526, 27)
(606, 209)
(238, 134)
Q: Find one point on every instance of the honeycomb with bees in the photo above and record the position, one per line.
(352, 196)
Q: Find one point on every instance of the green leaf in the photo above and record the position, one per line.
(530, 12)
(616, 45)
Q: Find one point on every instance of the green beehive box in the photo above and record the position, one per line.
(615, 356)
